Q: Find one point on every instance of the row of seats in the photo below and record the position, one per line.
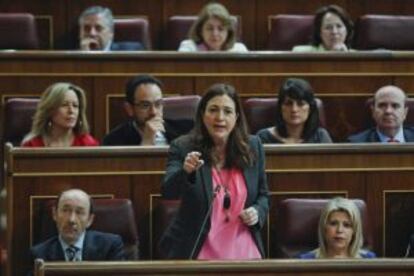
(260, 113)
(371, 32)
(285, 31)
(21, 31)
(125, 29)
(296, 224)
(18, 114)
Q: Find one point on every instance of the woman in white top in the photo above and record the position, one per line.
(332, 31)
(214, 30)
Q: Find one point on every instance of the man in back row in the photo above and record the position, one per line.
(389, 111)
(144, 104)
(96, 32)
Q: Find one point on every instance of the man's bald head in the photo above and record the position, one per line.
(389, 110)
(73, 214)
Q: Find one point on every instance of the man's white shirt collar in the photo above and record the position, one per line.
(78, 244)
(399, 136)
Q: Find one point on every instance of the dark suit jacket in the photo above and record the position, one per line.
(127, 46)
(125, 134)
(196, 193)
(371, 136)
(97, 246)
(321, 135)
(410, 249)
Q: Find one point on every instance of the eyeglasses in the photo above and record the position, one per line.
(146, 105)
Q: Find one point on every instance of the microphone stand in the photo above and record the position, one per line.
(210, 208)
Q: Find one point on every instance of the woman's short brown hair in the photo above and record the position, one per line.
(218, 11)
(342, 14)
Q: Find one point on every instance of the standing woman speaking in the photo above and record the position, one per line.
(218, 173)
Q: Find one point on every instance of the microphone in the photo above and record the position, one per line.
(408, 250)
(203, 225)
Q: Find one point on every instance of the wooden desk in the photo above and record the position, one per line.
(342, 80)
(265, 267)
(382, 175)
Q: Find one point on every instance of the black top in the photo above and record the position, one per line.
(321, 135)
(126, 134)
(410, 249)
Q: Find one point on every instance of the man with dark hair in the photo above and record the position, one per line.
(73, 214)
(96, 32)
(144, 104)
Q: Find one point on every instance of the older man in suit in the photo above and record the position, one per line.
(389, 111)
(96, 32)
(73, 215)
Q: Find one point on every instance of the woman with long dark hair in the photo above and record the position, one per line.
(297, 116)
(218, 173)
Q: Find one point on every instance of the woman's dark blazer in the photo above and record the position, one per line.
(195, 192)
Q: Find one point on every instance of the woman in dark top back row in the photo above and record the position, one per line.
(297, 116)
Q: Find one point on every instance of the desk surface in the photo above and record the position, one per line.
(264, 267)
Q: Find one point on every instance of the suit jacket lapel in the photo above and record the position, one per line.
(207, 182)
(55, 252)
(89, 251)
(249, 179)
(250, 174)
(408, 135)
(374, 136)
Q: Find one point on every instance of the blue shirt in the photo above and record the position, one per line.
(399, 136)
(365, 254)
